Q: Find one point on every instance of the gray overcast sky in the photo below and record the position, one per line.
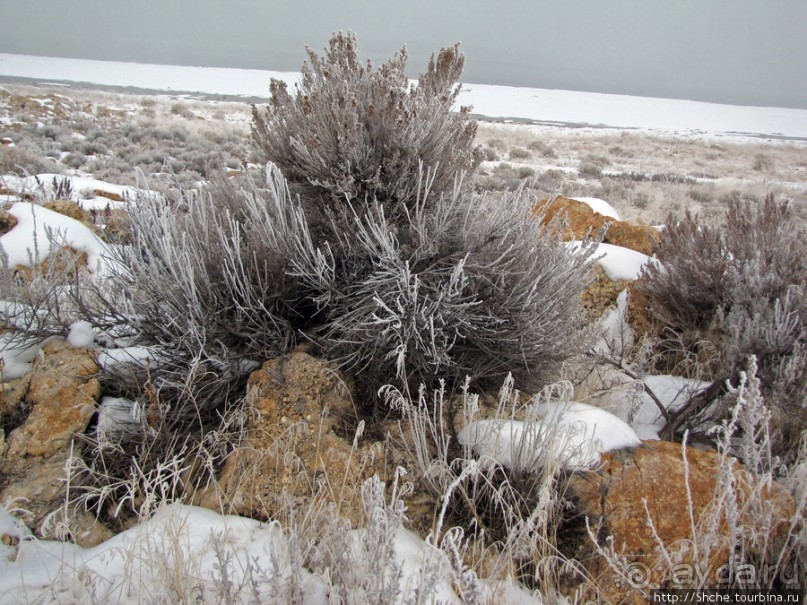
(732, 51)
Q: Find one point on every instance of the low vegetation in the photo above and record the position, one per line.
(721, 294)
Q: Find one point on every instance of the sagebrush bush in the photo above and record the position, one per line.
(590, 170)
(519, 153)
(467, 285)
(353, 133)
(738, 290)
(22, 162)
(411, 274)
(204, 284)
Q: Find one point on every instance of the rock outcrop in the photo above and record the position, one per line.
(45, 410)
(647, 496)
(62, 393)
(581, 220)
(299, 448)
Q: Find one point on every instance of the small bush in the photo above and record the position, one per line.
(490, 154)
(743, 288)
(20, 161)
(597, 160)
(178, 109)
(552, 179)
(501, 178)
(702, 194)
(620, 151)
(762, 163)
(736, 196)
(74, 160)
(519, 153)
(590, 170)
(525, 172)
(641, 200)
(542, 148)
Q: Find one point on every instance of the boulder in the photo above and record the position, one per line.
(61, 394)
(601, 293)
(582, 220)
(299, 448)
(45, 410)
(35, 489)
(654, 483)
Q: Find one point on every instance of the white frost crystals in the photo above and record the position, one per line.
(568, 433)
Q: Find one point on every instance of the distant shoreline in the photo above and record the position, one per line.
(529, 106)
(130, 90)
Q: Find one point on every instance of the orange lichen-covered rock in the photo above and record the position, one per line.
(48, 408)
(582, 220)
(644, 503)
(61, 394)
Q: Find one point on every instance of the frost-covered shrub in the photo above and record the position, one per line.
(755, 256)
(410, 274)
(204, 284)
(590, 170)
(540, 146)
(503, 178)
(19, 160)
(519, 153)
(465, 285)
(350, 132)
(742, 289)
(775, 333)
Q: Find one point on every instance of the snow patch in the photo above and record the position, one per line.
(620, 263)
(116, 416)
(110, 358)
(81, 335)
(575, 434)
(38, 230)
(17, 360)
(599, 206)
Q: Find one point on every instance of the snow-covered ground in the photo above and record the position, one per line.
(506, 102)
